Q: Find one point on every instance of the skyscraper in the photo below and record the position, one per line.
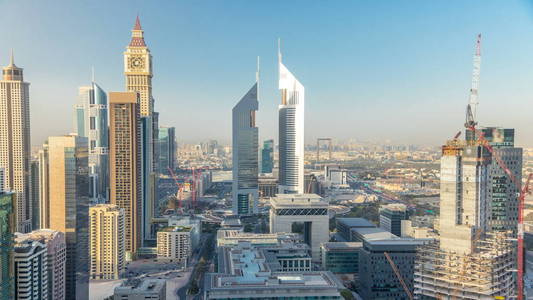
(91, 122)
(167, 149)
(31, 270)
(56, 259)
(138, 69)
(7, 230)
(15, 140)
(34, 199)
(64, 161)
(291, 132)
(138, 72)
(267, 156)
(501, 191)
(245, 154)
(125, 164)
(107, 242)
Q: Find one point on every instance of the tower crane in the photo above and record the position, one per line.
(521, 199)
(179, 185)
(399, 276)
(471, 109)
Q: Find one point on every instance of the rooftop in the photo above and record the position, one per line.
(176, 229)
(292, 200)
(373, 233)
(356, 222)
(139, 286)
(342, 245)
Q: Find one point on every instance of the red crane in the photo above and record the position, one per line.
(399, 276)
(521, 199)
(179, 185)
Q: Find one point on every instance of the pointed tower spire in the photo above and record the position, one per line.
(12, 58)
(137, 35)
(137, 24)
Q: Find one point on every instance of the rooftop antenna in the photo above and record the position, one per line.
(279, 50)
(92, 74)
(257, 72)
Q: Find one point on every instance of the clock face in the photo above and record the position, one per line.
(137, 63)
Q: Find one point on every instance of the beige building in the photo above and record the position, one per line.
(174, 243)
(15, 140)
(106, 240)
(65, 201)
(125, 164)
(138, 69)
(56, 259)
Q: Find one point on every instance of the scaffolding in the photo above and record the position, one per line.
(485, 273)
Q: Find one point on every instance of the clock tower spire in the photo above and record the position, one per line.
(138, 69)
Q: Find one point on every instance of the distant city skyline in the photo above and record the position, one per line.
(396, 71)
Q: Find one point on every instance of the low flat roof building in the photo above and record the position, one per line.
(244, 272)
(136, 289)
(341, 257)
(362, 234)
(344, 225)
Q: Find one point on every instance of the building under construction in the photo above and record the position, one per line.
(485, 273)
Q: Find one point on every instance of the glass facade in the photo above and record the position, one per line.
(7, 228)
(342, 261)
(91, 121)
(267, 156)
(167, 149)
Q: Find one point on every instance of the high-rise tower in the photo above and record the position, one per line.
(291, 132)
(245, 154)
(138, 69)
(15, 140)
(64, 162)
(125, 164)
(91, 122)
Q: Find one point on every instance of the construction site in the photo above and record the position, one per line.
(485, 273)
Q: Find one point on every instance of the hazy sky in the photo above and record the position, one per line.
(373, 70)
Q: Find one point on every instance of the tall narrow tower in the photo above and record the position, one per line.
(138, 69)
(291, 133)
(15, 140)
(245, 154)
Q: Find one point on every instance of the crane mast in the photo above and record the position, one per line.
(473, 99)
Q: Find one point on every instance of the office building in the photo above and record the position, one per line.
(140, 289)
(15, 141)
(56, 253)
(175, 243)
(377, 279)
(291, 133)
(65, 201)
(31, 270)
(310, 210)
(107, 242)
(341, 257)
(468, 260)
(125, 164)
(35, 195)
(391, 216)
(502, 191)
(7, 230)
(91, 122)
(2, 178)
(167, 149)
(268, 186)
(245, 154)
(247, 272)
(267, 156)
(336, 176)
(345, 225)
(232, 237)
(148, 179)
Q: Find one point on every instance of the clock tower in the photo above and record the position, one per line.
(138, 69)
